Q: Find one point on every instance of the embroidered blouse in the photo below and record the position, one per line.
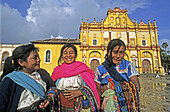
(125, 68)
(70, 83)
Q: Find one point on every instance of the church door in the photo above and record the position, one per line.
(94, 63)
(146, 66)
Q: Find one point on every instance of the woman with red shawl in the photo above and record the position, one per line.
(74, 82)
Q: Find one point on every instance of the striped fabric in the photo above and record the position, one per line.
(87, 95)
(121, 97)
(133, 90)
(53, 94)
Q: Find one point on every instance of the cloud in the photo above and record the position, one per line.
(13, 25)
(57, 17)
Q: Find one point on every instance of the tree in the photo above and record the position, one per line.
(165, 45)
(165, 59)
(168, 52)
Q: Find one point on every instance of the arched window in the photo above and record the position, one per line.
(94, 41)
(132, 41)
(118, 35)
(4, 56)
(145, 54)
(118, 21)
(94, 35)
(144, 42)
(84, 61)
(48, 56)
(123, 19)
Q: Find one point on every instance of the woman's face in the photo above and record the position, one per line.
(32, 63)
(118, 54)
(68, 55)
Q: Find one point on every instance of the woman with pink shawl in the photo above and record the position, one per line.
(75, 84)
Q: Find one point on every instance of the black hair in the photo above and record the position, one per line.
(67, 46)
(21, 52)
(113, 43)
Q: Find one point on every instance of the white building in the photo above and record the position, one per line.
(5, 51)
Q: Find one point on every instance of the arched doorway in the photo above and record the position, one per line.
(146, 66)
(94, 63)
(4, 56)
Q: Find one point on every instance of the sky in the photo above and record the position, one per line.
(23, 21)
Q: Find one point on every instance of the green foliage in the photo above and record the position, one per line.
(165, 57)
(165, 45)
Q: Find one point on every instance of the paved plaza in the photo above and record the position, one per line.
(155, 93)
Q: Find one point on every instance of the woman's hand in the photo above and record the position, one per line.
(136, 81)
(44, 104)
(71, 94)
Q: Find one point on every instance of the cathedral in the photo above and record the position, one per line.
(141, 41)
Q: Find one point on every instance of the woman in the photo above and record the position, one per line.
(22, 87)
(8, 67)
(74, 82)
(110, 76)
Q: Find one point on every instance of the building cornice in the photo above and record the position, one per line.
(57, 41)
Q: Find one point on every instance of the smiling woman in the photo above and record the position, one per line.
(71, 78)
(114, 79)
(69, 54)
(75, 84)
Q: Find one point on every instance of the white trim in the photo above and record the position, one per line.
(147, 59)
(99, 59)
(46, 55)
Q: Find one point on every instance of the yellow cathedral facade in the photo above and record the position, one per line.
(141, 41)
